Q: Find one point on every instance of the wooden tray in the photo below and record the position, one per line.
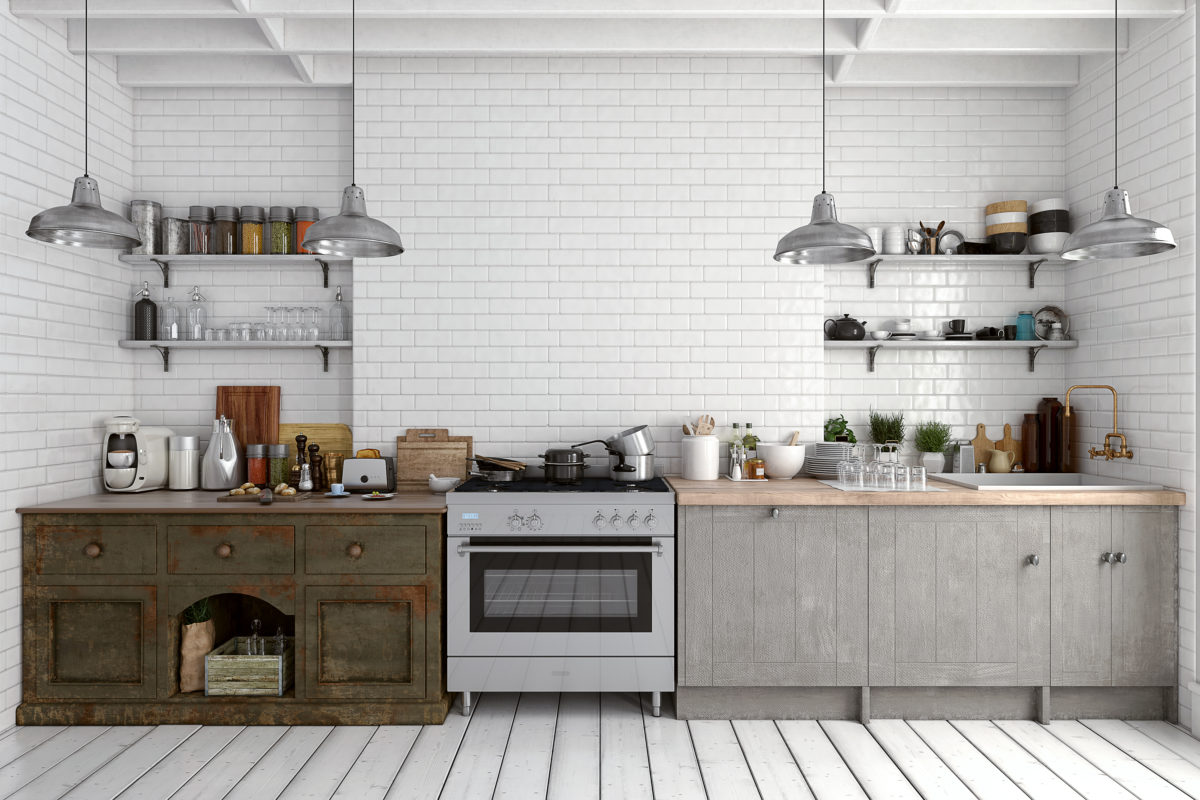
(334, 437)
(422, 451)
(279, 498)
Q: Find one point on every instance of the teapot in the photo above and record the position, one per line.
(845, 328)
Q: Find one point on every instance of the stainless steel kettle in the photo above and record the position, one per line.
(224, 464)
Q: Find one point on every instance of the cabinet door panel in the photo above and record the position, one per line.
(95, 641)
(1081, 648)
(252, 549)
(695, 545)
(1144, 597)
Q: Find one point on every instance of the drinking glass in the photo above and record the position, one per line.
(903, 478)
(295, 323)
(312, 330)
(918, 478)
(258, 332)
(887, 477)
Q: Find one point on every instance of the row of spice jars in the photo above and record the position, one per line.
(223, 230)
(271, 465)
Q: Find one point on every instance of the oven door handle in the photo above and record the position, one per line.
(656, 548)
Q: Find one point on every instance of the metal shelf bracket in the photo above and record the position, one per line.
(874, 265)
(165, 266)
(1033, 268)
(165, 352)
(1033, 354)
(324, 356)
(324, 271)
(871, 357)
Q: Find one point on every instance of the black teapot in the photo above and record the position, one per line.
(845, 328)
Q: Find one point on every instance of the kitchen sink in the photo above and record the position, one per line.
(1043, 482)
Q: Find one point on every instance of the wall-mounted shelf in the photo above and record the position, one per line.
(873, 347)
(1031, 262)
(164, 348)
(165, 262)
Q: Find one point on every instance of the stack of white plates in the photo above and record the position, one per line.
(893, 241)
(822, 458)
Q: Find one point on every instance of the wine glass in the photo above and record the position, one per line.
(313, 323)
(295, 323)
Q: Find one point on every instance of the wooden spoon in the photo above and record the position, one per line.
(795, 436)
(688, 429)
(705, 425)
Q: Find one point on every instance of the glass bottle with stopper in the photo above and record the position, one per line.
(339, 319)
(197, 316)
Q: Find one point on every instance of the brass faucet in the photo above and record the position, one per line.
(1108, 453)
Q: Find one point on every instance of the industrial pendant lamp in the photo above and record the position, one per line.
(352, 234)
(1117, 234)
(824, 240)
(84, 223)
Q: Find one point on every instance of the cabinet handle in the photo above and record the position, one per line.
(355, 550)
(93, 550)
(1109, 558)
(774, 513)
(224, 550)
(1120, 558)
(1033, 560)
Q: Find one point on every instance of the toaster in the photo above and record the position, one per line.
(369, 474)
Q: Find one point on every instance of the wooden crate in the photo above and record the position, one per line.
(227, 671)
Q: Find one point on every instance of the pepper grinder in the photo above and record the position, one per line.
(294, 479)
(316, 461)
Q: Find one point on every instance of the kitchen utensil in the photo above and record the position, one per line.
(880, 336)
(1009, 444)
(424, 450)
(981, 445)
(369, 474)
(634, 441)
(950, 242)
(643, 467)
(701, 458)
(688, 430)
(254, 411)
(442, 485)
(378, 496)
(497, 474)
(120, 459)
(566, 465)
(1045, 317)
(224, 463)
(336, 494)
(794, 439)
(705, 425)
(845, 328)
(783, 461)
(503, 463)
(901, 326)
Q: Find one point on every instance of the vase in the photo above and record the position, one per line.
(933, 462)
(197, 642)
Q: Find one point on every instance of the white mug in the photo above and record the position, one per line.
(701, 458)
(337, 488)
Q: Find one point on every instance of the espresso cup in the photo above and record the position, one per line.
(337, 488)
(958, 326)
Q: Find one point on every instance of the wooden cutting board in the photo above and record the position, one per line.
(982, 445)
(422, 451)
(254, 411)
(1010, 444)
(334, 437)
(278, 498)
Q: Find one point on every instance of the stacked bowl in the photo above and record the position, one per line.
(823, 458)
(1007, 226)
(1049, 225)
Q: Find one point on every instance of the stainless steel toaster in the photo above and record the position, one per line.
(369, 474)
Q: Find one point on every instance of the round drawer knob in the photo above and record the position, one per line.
(224, 550)
(92, 550)
(355, 550)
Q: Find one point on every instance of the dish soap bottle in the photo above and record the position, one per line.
(145, 316)
(197, 316)
(339, 319)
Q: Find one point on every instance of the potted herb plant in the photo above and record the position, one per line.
(197, 641)
(887, 428)
(837, 426)
(932, 438)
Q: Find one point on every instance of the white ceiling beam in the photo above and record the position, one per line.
(222, 70)
(113, 37)
(1043, 9)
(1051, 36)
(961, 70)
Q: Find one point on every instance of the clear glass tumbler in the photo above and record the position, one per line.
(918, 479)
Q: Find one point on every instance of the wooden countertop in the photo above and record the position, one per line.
(197, 502)
(810, 492)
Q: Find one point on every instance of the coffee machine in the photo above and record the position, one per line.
(134, 459)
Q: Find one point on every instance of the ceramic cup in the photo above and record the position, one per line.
(337, 488)
(958, 326)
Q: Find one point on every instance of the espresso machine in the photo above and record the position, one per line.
(134, 458)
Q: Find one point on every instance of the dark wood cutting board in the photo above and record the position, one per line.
(254, 411)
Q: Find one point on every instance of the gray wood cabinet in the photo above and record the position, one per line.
(772, 597)
(1114, 596)
(955, 597)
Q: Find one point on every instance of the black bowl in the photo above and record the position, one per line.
(1053, 221)
(1007, 243)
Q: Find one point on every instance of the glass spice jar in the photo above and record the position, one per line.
(225, 231)
(256, 464)
(282, 231)
(305, 217)
(280, 466)
(252, 230)
(755, 470)
(200, 227)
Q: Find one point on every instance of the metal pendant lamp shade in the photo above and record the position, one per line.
(824, 240)
(353, 234)
(84, 223)
(1118, 233)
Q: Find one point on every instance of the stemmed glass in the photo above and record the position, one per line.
(295, 323)
(313, 327)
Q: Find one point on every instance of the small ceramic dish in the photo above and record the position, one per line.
(337, 494)
(378, 496)
(442, 485)
(881, 335)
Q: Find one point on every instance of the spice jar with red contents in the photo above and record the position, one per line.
(257, 464)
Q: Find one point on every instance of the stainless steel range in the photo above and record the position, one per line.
(556, 588)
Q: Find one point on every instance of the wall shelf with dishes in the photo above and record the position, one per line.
(873, 347)
(165, 262)
(1032, 262)
(164, 347)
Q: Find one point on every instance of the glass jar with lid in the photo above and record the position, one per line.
(280, 466)
(257, 464)
(305, 217)
(225, 231)
(282, 231)
(252, 230)
(200, 229)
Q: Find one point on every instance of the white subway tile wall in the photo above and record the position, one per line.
(64, 307)
(1136, 318)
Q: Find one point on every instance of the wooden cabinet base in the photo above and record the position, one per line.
(235, 711)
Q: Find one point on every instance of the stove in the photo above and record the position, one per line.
(555, 588)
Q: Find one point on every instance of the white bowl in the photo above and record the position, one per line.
(783, 461)
(442, 485)
(931, 333)
(1048, 242)
(881, 335)
(120, 459)
(902, 325)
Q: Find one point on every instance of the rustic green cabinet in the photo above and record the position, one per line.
(104, 596)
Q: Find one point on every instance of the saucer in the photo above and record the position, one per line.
(937, 338)
(378, 496)
(337, 494)
(899, 335)
(959, 337)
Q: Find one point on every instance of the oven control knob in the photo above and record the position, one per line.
(598, 521)
(534, 522)
(633, 521)
(515, 522)
(651, 521)
(616, 522)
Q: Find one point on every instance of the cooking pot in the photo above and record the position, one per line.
(633, 442)
(845, 328)
(564, 465)
(642, 468)
(484, 468)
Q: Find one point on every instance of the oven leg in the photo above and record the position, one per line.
(656, 704)
(466, 704)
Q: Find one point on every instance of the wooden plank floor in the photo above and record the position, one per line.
(588, 746)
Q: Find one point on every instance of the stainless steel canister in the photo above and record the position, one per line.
(146, 216)
(183, 463)
(176, 239)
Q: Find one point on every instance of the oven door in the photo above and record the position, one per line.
(566, 596)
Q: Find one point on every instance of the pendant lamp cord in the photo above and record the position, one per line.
(85, 88)
(353, 88)
(822, 96)
(1115, 94)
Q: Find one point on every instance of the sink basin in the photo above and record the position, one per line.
(1043, 482)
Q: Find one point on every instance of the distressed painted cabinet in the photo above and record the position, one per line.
(1114, 596)
(959, 596)
(772, 597)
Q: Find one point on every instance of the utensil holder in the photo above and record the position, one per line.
(701, 458)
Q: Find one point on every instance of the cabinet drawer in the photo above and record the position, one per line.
(364, 549)
(224, 549)
(95, 549)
